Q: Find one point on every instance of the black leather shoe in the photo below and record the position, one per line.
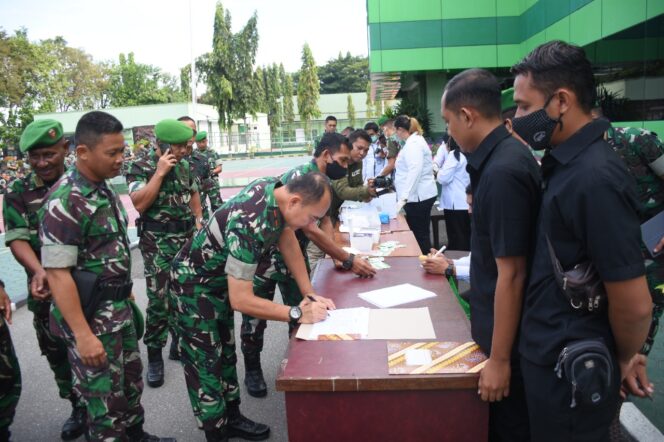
(244, 428)
(216, 435)
(255, 383)
(155, 375)
(174, 352)
(75, 425)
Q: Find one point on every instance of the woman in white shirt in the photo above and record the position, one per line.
(454, 179)
(416, 189)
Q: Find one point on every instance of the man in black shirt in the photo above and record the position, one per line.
(589, 213)
(506, 187)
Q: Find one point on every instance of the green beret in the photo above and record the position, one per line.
(139, 322)
(507, 99)
(200, 136)
(40, 133)
(382, 120)
(173, 131)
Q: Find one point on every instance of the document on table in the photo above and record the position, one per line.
(364, 323)
(396, 295)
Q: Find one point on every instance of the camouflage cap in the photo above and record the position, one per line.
(202, 135)
(40, 133)
(507, 99)
(139, 322)
(173, 131)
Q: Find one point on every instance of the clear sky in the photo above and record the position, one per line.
(158, 31)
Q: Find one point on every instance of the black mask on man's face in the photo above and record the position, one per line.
(536, 128)
(335, 171)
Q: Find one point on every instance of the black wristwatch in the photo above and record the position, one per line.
(449, 271)
(348, 264)
(294, 314)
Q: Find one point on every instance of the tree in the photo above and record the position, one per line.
(351, 110)
(287, 102)
(308, 88)
(260, 100)
(272, 95)
(369, 102)
(244, 45)
(344, 74)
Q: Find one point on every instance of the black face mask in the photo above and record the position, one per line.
(536, 128)
(335, 171)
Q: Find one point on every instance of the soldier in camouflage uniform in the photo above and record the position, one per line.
(393, 148)
(10, 372)
(83, 228)
(208, 167)
(165, 193)
(212, 276)
(45, 148)
(330, 158)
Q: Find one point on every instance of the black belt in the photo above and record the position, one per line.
(115, 292)
(166, 227)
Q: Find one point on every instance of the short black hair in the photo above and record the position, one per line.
(371, 125)
(388, 123)
(186, 118)
(93, 125)
(558, 64)
(331, 142)
(402, 121)
(476, 88)
(311, 187)
(330, 118)
(360, 133)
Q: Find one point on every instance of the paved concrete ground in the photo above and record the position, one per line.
(41, 412)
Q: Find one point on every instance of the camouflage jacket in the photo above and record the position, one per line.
(233, 241)
(172, 203)
(84, 225)
(203, 163)
(393, 147)
(349, 188)
(20, 207)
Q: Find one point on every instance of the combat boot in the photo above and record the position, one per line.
(155, 375)
(5, 434)
(241, 426)
(253, 376)
(76, 424)
(216, 435)
(174, 352)
(135, 433)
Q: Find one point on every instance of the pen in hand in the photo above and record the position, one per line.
(312, 299)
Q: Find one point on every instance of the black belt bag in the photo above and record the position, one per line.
(588, 367)
(91, 292)
(165, 227)
(581, 285)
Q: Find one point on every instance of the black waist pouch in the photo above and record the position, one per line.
(87, 284)
(588, 367)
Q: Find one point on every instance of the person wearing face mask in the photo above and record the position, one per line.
(589, 214)
(45, 146)
(369, 161)
(506, 187)
(393, 147)
(330, 158)
(416, 189)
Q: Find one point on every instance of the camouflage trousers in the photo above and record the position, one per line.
(53, 347)
(265, 284)
(655, 278)
(158, 252)
(112, 393)
(10, 377)
(207, 351)
(215, 201)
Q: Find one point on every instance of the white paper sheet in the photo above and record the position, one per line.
(420, 356)
(396, 295)
(349, 321)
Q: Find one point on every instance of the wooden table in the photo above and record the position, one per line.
(398, 224)
(404, 237)
(341, 390)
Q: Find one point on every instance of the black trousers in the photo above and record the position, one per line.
(508, 418)
(418, 217)
(457, 225)
(552, 419)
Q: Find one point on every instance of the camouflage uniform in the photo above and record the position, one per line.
(638, 148)
(204, 162)
(20, 208)
(349, 188)
(232, 243)
(10, 379)
(84, 225)
(272, 271)
(171, 208)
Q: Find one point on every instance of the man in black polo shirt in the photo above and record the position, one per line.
(589, 213)
(506, 187)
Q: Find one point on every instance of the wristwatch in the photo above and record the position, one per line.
(294, 314)
(348, 263)
(449, 271)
